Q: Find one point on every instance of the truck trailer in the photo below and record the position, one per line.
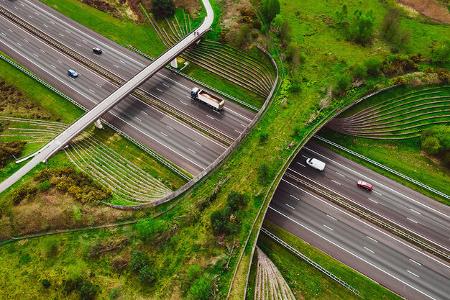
(202, 96)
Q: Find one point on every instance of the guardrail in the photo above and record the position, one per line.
(309, 261)
(390, 170)
(156, 156)
(118, 81)
(370, 216)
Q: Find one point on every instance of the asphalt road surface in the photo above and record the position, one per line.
(395, 202)
(404, 269)
(172, 139)
(110, 101)
(167, 86)
(394, 263)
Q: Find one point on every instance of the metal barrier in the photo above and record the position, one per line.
(309, 261)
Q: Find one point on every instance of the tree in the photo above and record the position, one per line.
(269, 9)
(440, 54)
(431, 145)
(362, 27)
(373, 66)
(391, 30)
(236, 201)
(219, 221)
(342, 83)
(163, 8)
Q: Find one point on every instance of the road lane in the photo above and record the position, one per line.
(377, 254)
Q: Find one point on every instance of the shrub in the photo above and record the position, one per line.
(263, 137)
(359, 71)
(45, 283)
(148, 228)
(9, 151)
(440, 54)
(343, 82)
(147, 275)
(139, 260)
(392, 32)
(200, 289)
(373, 66)
(359, 28)
(23, 193)
(431, 145)
(269, 9)
(236, 201)
(163, 8)
(264, 174)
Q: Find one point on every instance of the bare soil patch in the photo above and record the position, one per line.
(429, 8)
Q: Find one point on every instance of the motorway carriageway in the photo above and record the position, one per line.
(394, 263)
(167, 86)
(170, 138)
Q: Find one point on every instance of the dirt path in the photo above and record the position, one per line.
(429, 8)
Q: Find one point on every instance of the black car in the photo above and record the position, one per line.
(97, 50)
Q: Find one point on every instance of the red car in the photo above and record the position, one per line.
(365, 185)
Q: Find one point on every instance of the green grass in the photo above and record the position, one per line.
(309, 283)
(189, 237)
(123, 31)
(403, 156)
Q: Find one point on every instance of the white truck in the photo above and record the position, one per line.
(201, 95)
(316, 164)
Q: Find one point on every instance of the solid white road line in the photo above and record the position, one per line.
(370, 225)
(380, 184)
(348, 251)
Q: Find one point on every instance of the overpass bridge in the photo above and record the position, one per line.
(90, 117)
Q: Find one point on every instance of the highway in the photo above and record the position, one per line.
(389, 260)
(395, 202)
(169, 137)
(105, 105)
(167, 86)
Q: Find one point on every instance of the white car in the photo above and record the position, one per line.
(316, 164)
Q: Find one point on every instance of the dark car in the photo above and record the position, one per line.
(365, 185)
(72, 73)
(97, 50)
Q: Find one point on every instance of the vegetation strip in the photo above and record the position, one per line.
(309, 261)
(375, 163)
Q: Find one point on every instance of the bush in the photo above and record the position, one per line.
(139, 260)
(373, 66)
(23, 193)
(440, 54)
(45, 283)
(269, 9)
(343, 82)
(264, 174)
(147, 275)
(9, 151)
(163, 8)
(263, 137)
(431, 145)
(359, 28)
(398, 64)
(236, 201)
(220, 221)
(392, 32)
(148, 228)
(359, 71)
(86, 289)
(200, 289)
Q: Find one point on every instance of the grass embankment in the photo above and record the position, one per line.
(305, 281)
(187, 239)
(144, 38)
